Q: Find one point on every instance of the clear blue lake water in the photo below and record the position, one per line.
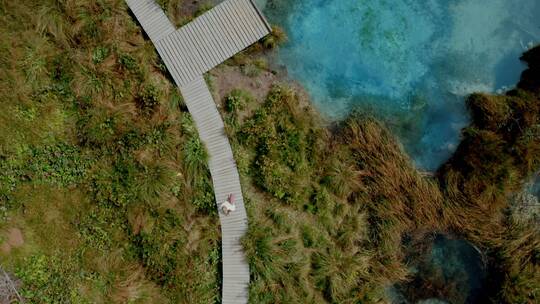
(410, 63)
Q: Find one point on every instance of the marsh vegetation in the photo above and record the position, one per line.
(102, 172)
(343, 203)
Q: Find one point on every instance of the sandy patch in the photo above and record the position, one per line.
(227, 78)
(14, 239)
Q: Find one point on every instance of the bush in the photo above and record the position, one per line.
(47, 279)
(195, 156)
(148, 99)
(237, 101)
(279, 139)
(100, 54)
(61, 164)
(128, 62)
(276, 38)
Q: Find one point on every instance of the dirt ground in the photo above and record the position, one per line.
(226, 78)
(13, 238)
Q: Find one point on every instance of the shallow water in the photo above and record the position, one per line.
(535, 186)
(449, 271)
(409, 62)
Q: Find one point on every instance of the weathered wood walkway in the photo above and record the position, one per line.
(188, 53)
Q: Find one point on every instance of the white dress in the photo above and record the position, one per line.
(227, 207)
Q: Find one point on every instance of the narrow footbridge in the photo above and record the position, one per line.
(188, 53)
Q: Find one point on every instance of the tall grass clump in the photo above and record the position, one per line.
(276, 38)
(499, 151)
(340, 204)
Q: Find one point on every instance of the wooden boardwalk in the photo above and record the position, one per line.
(188, 53)
(211, 39)
(226, 180)
(152, 18)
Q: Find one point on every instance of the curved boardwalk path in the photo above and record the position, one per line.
(188, 53)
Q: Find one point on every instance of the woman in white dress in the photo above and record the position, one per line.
(228, 206)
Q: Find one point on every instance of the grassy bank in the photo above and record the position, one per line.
(104, 189)
(335, 205)
(338, 204)
(500, 150)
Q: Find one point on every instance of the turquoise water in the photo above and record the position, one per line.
(408, 62)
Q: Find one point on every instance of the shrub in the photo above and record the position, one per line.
(128, 62)
(114, 185)
(276, 38)
(148, 99)
(170, 258)
(48, 279)
(195, 156)
(100, 53)
(61, 164)
(237, 101)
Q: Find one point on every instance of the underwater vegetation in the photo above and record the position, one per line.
(444, 269)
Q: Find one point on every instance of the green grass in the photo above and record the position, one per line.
(327, 224)
(100, 172)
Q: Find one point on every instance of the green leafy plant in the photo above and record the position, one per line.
(128, 62)
(148, 99)
(237, 101)
(100, 54)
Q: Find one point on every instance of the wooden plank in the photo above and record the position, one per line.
(258, 24)
(195, 38)
(209, 50)
(232, 18)
(261, 16)
(218, 38)
(167, 54)
(182, 51)
(208, 40)
(187, 36)
(224, 33)
(245, 20)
